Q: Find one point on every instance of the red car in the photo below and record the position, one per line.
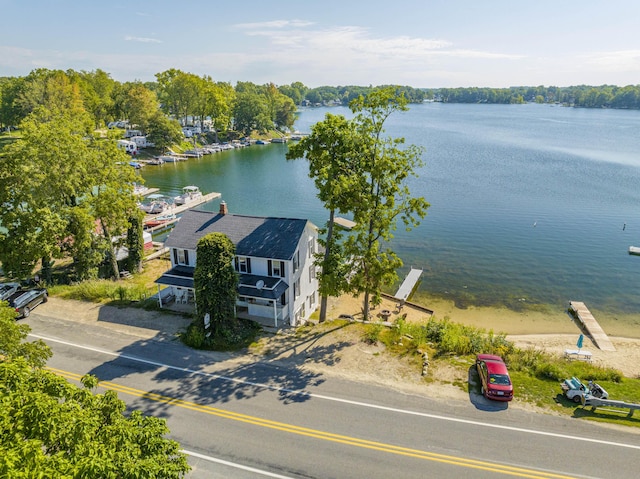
(494, 377)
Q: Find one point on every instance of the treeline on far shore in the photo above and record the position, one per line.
(603, 96)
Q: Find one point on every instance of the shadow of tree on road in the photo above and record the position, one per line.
(214, 378)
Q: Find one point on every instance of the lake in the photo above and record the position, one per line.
(531, 204)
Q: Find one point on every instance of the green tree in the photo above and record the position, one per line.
(135, 241)
(57, 178)
(163, 132)
(178, 92)
(97, 90)
(384, 196)
(12, 341)
(216, 281)
(139, 104)
(52, 428)
(251, 113)
(331, 150)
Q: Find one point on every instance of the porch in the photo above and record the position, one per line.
(242, 312)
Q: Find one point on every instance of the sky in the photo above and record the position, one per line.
(420, 43)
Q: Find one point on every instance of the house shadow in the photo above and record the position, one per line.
(212, 378)
(477, 399)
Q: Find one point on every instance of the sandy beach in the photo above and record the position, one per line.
(551, 331)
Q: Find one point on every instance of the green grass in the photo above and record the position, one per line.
(536, 375)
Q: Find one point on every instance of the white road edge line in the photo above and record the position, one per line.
(233, 464)
(335, 399)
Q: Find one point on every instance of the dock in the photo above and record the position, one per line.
(345, 223)
(180, 209)
(591, 326)
(408, 284)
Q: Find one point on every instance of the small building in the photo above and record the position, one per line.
(128, 146)
(141, 141)
(274, 260)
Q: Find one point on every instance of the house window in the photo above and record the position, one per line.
(275, 268)
(243, 264)
(296, 289)
(312, 245)
(312, 273)
(296, 261)
(181, 256)
(312, 300)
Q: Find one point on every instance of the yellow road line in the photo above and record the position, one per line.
(317, 434)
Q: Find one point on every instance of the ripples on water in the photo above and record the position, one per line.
(528, 202)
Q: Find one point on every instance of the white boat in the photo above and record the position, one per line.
(189, 194)
(155, 204)
(634, 250)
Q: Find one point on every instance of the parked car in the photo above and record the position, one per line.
(7, 289)
(494, 377)
(24, 301)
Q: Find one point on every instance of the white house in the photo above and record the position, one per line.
(274, 260)
(141, 141)
(128, 146)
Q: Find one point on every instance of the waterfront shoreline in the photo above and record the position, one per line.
(552, 332)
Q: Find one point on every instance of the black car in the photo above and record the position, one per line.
(24, 301)
(7, 289)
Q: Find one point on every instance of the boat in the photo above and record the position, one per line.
(262, 142)
(156, 204)
(634, 250)
(156, 161)
(279, 140)
(189, 194)
(160, 220)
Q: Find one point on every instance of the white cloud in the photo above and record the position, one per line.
(142, 39)
(258, 26)
(615, 61)
(291, 37)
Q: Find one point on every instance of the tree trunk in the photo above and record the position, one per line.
(113, 259)
(45, 270)
(327, 252)
(365, 306)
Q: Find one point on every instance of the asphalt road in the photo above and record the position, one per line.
(240, 418)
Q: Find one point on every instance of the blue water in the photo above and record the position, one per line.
(530, 204)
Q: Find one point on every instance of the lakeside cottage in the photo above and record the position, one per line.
(274, 259)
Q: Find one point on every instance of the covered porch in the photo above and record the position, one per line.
(260, 298)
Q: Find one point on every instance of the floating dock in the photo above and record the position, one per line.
(345, 223)
(179, 209)
(408, 284)
(591, 326)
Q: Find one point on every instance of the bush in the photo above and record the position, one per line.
(459, 339)
(231, 336)
(194, 337)
(372, 333)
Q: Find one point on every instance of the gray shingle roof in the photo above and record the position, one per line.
(260, 237)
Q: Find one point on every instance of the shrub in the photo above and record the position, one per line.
(194, 337)
(372, 333)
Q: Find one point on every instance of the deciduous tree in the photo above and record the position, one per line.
(52, 428)
(384, 167)
(331, 150)
(216, 281)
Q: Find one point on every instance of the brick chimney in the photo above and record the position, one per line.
(223, 208)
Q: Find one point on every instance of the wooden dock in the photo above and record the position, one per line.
(591, 326)
(179, 209)
(408, 284)
(343, 222)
